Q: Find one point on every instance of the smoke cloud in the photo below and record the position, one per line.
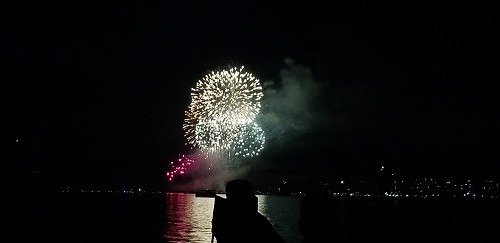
(210, 172)
(290, 105)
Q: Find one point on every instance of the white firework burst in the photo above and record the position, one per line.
(224, 104)
(249, 141)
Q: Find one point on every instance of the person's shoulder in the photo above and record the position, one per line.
(262, 219)
(267, 230)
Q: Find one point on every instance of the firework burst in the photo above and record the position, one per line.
(222, 113)
(249, 142)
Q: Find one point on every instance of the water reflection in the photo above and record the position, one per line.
(283, 213)
(189, 218)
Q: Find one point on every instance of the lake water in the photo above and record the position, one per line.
(188, 218)
(115, 217)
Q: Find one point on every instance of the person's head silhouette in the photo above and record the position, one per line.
(236, 218)
(239, 189)
(240, 192)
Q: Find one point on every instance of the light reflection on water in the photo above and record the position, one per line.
(188, 218)
(283, 212)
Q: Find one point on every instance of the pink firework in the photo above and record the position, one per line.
(179, 167)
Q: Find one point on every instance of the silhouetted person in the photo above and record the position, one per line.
(317, 219)
(236, 218)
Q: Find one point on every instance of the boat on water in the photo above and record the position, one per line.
(205, 193)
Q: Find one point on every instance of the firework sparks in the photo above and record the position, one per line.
(179, 167)
(249, 142)
(221, 116)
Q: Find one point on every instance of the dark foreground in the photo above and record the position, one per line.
(104, 217)
(413, 220)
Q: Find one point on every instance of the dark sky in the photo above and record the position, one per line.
(96, 93)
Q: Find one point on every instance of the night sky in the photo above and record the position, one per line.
(96, 93)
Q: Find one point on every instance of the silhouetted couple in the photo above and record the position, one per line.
(236, 218)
